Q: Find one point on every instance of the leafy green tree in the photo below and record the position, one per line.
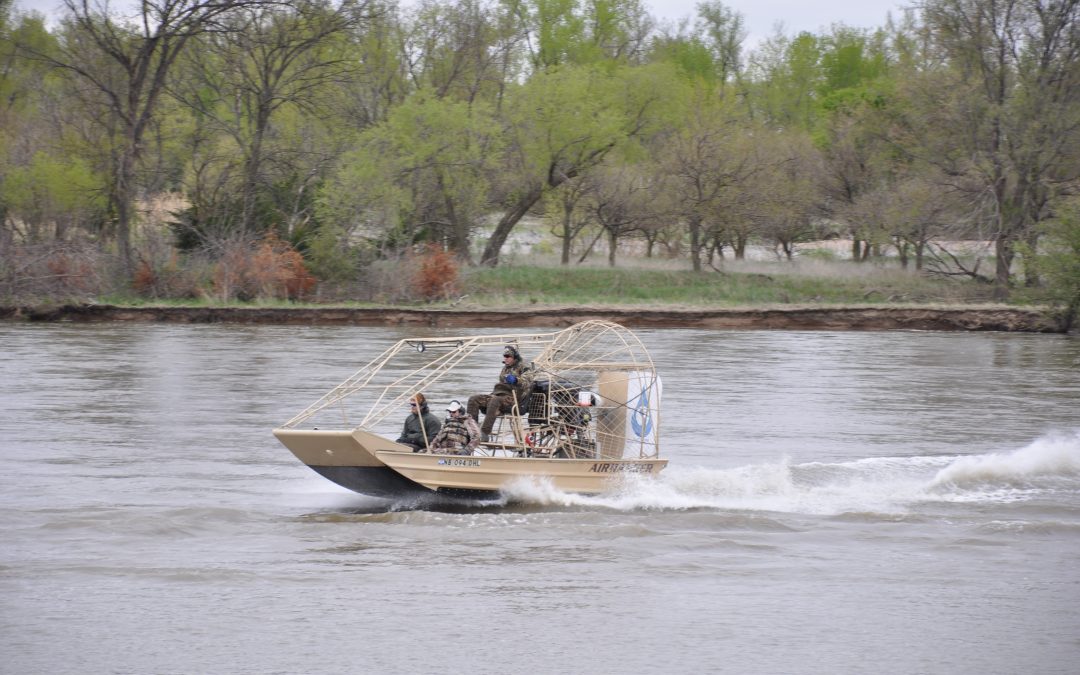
(723, 31)
(552, 30)
(581, 32)
(48, 190)
(379, 77)
(787, 75)
(708, 54)
(1058, 261)
(51, 191)
(801, 81)
(421, 174)
(330, 257)
(851, 59)
(689, 54)
(564, 122)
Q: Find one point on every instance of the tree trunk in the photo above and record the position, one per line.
(506, 224)
(567, 227)
(124, 201)
(251, 172)
(1031, 272)
(589, 249)
(459, 231)
(1003, 250)
(695, 243)
(613, 239)
(902, 253)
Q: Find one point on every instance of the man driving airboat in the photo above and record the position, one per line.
(509, 390)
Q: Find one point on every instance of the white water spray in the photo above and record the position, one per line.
(880, 485)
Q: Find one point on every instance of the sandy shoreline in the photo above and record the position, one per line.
(1009, 319)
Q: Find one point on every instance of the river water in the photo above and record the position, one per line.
(835, 503)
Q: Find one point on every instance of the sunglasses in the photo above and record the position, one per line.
(412, 405)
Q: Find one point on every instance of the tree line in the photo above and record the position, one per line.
(349, 131)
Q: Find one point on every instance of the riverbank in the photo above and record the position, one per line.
(980, 318)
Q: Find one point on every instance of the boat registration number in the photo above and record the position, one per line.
(460, 462)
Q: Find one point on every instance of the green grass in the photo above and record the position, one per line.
(831, 284)
(744, 285)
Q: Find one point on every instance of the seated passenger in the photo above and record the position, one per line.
(513, 379)
(459, 434)
(420, 426)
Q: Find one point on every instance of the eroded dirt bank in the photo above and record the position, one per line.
(833, 318)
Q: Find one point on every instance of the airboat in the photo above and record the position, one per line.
(589, 418)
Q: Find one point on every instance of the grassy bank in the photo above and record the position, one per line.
(745, 286)
(645, 285)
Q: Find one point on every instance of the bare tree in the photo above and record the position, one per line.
(707, 163)
(270, 57)
(465, 49)
(127, 59)
(785, 191)
(569, 218)
(1007, 113)
(620, 203)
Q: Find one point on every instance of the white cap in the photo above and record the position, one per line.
(453, 407)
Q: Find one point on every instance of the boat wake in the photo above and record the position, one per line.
(1045, 471)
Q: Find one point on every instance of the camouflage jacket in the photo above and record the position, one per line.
(459, 434)
(523, 376)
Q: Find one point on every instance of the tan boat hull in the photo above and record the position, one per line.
(347, 458)
(485, 473)
(370, 464)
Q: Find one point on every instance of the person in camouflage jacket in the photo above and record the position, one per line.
(514, 379)
(459, 434)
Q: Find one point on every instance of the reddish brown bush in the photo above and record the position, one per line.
(270, 269)
(164, 279)
(436, 273)
(144, 281)
(72, 273)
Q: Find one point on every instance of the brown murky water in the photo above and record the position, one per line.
(836, 502)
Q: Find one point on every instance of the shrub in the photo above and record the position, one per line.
(57, 271)
(167, 280)
(269, 269)
(330, 258)
(160, 271)
(436, 273)
(1059, 263)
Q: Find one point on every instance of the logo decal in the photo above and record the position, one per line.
(610, 467)
(641, 419)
